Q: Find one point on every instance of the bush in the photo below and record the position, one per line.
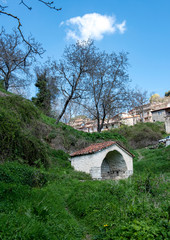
(13, 172)
(20, 108)
(32, 150)
(16, 142)
(9, 132)
(142, 134)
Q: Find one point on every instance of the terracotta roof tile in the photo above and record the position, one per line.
(97, 147)
(160, 109)
(93, 148)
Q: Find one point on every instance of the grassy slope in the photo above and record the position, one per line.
(60, 206)
(54, 202)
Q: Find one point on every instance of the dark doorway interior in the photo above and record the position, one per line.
(113, 166)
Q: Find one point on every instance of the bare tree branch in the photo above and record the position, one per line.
(20, 31)
(22, 2)
(106, 87)
(3, 7)
(50, 5)
(15, 56)
(4, 12)
(72, 71)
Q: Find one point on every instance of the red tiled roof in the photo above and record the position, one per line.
(156, 110)
(95, 148)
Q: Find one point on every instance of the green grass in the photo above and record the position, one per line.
(32, 201)
(154, 160)
(135, 208)
(65, 204)
(42, 197)
(36, 214)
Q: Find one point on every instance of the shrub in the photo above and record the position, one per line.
(32, 150)
(20, 108)
(9, 132)
(142, 134)
(16, 142)
(13, 172)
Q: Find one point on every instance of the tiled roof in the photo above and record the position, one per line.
(95, 148)
(160, 109)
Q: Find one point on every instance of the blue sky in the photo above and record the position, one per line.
(140, 27)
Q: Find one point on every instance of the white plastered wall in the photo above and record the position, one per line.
(91, 163)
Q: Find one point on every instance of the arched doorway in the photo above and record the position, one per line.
(113, 166)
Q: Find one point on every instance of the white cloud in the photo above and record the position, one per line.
(121, 27)
(93, 25)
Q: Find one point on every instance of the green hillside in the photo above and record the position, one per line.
(42, 197)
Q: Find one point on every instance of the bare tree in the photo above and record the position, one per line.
(15, 57)
(72, 110)
(4, 11)
(72, 71)
(107, 87)
(138, 100)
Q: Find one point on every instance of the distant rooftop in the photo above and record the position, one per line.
(157, 110)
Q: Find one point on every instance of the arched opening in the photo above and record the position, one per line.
(113, 166)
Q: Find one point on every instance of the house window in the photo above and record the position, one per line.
(160, 112)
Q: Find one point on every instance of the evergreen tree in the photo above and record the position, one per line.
(44, 96)
(167, 94)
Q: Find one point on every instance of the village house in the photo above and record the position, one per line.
(88, 125)
(160, 114)
(120, 119)
(151, 112)
(143, 112)
(108, 160)
(146, 111)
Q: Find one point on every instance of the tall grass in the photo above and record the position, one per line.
(69, 205)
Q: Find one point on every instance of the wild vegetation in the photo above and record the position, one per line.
(42, 197)
(142, 134)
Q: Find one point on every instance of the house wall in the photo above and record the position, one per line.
(159, 116)
(127, 121)
(91, 163)
(167, 124)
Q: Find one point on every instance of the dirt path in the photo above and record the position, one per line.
(88, 237)
(140, 155)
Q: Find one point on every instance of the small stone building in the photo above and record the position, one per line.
(108, 160)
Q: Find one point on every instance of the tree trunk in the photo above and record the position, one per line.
(98, 122)
(98, 125)
(64, 109)
(6, 81)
